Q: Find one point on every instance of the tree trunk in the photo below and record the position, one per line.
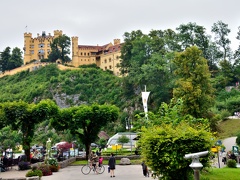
(88, 149)
(26, 146)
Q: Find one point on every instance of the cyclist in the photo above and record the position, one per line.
(94, 160)
(100, 161)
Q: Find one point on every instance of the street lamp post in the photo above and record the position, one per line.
(129, 127)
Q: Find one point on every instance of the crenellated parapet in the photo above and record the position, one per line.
(57, 33)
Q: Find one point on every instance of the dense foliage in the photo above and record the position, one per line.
(193, 83)
(85, 121)
(24, 117)
(163, 148)
(60, 49)
(10, 60)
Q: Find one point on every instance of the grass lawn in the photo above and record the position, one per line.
(221, 174)
(229, 128)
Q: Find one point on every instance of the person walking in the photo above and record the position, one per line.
(145, 170)
(111, 165)
(224, 157)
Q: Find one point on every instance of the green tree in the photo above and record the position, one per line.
(226, 71)
(193, 84)
(24, 117)
(192, 34)
(16, 59)
(163, 148)
(123, 140)
(158, 77)
(126, 50)
(60, 48)
(5, 58)
(9, 138)
(238, 139)
(85, 122)
(221, 31)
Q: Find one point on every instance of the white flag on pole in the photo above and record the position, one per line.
(144, 100)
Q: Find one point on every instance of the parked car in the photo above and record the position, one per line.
(82, 153)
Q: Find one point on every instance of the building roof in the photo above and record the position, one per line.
(103, 135)
(131, 135)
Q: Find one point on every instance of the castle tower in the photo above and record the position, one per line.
(75, 51)
(27, 41)
(116, 41)
(57, 33)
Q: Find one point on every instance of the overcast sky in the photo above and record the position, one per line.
(101, 21)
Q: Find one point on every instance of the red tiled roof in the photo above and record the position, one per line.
(103, 135)
(99, 48)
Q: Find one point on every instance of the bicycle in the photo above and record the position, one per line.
(87, 168)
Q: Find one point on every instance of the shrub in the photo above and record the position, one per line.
(46, 171)
(164, 147)
(24, 165)
(238, 139)
(51, 161)
(231, 163)
(53, 164)
(54, 168)
(35, 172)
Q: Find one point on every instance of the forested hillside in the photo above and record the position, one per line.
(67, 88)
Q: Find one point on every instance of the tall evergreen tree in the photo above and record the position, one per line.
(5, 58)
(16, 59)
(193, 82)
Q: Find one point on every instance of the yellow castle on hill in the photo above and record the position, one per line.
(107, 56)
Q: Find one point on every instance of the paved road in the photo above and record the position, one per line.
(133, 172)
(229, 142)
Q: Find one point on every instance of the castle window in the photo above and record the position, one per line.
(41, 51)
(84, 54)
(105, 68)
(105, 61)
(32, 51)
(88, 54)
(110, 67)
(110, 59)
(81, 53)
(31, 46)
(41, 45)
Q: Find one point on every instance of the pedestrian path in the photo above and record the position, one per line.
(133, 172)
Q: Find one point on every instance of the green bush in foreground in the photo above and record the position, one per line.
(164, 147)
(231, 163)
(34, 172)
